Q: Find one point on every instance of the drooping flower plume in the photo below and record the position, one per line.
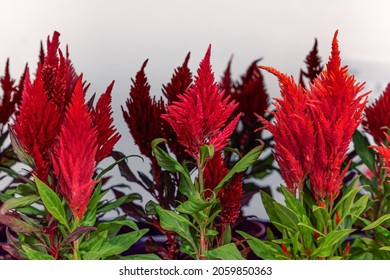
(377, 116)
(201, 114)
(74, 154)
(314, 127)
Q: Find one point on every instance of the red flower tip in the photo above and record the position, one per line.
(338, 219)
(37, 124)
(377, 116)
(314, 67)
(74, 155)
(230, 196)
(143, 115)
(347, 248)
(10, 96)
(107, 136)
(201, 114)
(285, 251)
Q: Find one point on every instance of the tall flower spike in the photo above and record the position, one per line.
(107, 136)
(251, 95)
(313, 63)
(337, 110)
(8, 100)
(37, 124)
(293, 132)
(201, 114)
(74, 155)
(377, 116)
(143, 115)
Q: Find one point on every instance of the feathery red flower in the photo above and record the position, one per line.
(313, 63)
(102, 119)
(314, 127)
(74, 155)
(384, 151)
(293, 132)
(10, 97)
(377, 116)
(229, 196)
(37, 124)
(201, 114)
(337, 110)
(143, 115)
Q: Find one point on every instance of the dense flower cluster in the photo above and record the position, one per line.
(201, 114)
(63, 136)
(377, 116)
(313, 127)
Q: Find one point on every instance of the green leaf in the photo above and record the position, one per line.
(35, 255)
(111, 166)
(115, 225)
(366, 154)
(377, 222)
(172, 221)
(292, 202)
(52, 202)
(120, 243)
(329, 243)
(359, 207)
(167, 162)
(225, 252)
(143, 257)
(385, 248)
(260, 248)
(227, 235)
(118, 202)
(286, 216)
(206, 151)
(193, 205)
(77, 233)
(18, 202)
(305, 224)
(241, 165)
(269, 206)
(18, 225)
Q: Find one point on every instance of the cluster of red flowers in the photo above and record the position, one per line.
(63, 136)
(313, 127)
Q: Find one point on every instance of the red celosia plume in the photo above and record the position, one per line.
(384, 151)
(10, 97)
(377, 116)
(313, 63)
(143, 115)
(201, 114)
(102, 119)
(74, 155)
(229, 196)
(314, 127)
(37, 124)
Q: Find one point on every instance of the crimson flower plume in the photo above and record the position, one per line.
(201, 114)
(313, 63)
(230, 195)
(10, 97)
(74, 154)
(377, 116)
(37, 124)
(107, 136)
(143, 115)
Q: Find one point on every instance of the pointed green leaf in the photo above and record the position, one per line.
(330, 242)
(259, 247)
(377, 222)
(206, 151)
(292, 202)
(52, 202)
(35, 255)
(241, 165)
(141, 257)
(225, 252)
(193, 205)
(18, 202)
(366, 154)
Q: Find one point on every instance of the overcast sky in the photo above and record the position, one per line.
(109, 40)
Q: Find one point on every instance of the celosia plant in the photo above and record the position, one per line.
(62, 138)
(312, 130)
